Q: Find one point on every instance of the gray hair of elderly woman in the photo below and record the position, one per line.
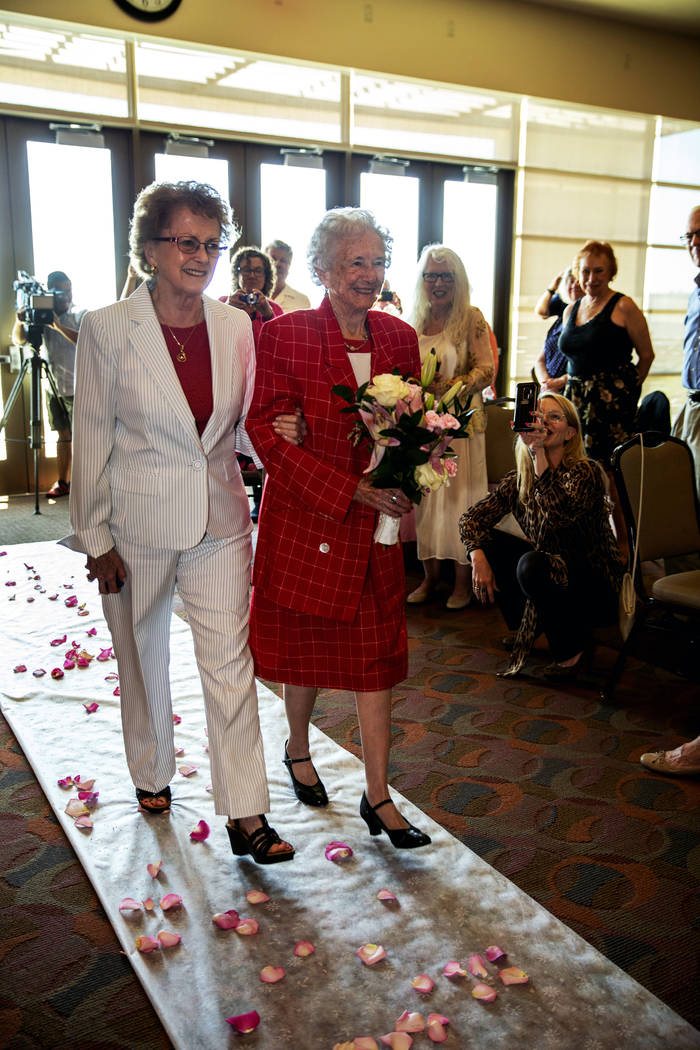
(157, 203)
(336, 226)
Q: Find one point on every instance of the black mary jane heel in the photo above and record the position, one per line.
(400, 838)
(309, 794)
(258, 843)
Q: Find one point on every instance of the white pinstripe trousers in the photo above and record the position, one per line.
(212, 580)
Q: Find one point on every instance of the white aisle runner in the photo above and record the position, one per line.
(450, 904)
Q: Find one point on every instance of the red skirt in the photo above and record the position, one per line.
(369, 653)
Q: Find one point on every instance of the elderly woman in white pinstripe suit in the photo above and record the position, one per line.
(163, 378)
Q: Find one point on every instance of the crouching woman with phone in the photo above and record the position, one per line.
(565, 576)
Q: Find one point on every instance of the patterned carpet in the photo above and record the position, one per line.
(545, 785)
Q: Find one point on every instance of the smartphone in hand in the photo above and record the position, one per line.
(526, 395)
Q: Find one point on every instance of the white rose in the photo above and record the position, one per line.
(387, 389)
(428, 478)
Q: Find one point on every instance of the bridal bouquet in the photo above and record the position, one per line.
(410, 433)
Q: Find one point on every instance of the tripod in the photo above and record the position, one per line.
(36, 364)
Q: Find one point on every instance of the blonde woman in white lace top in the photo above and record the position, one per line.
(445, 321)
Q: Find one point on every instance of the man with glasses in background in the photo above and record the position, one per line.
(687, 425)
(60, 339)
(283, 294)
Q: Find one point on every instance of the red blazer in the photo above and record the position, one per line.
(314, 541)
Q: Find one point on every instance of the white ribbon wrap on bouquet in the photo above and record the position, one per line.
(387, 531)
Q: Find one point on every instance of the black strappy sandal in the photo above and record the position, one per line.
(258, 843)
(150, 796)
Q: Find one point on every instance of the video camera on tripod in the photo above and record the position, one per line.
(34, 301)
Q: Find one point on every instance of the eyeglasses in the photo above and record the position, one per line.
(447, 277)
(190, 245)
(256, 271)
(553, 417)
(687, 238)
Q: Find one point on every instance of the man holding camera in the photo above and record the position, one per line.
(60, 338)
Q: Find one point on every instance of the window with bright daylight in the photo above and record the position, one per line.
(394, 201)
(292, 202)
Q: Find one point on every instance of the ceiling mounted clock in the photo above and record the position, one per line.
(149, 10)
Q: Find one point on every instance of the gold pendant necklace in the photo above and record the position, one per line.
(356, 349)
(181, 355)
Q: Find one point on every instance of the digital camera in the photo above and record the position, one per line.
(32, 298)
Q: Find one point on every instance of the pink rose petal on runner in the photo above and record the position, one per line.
(364, 1042)
(247, 927)
(186, 771)
(179, 752)
(91, 708)
(153, 869)
(39, 673)
(386, 895)
(57, 673)
(226, 920)
(53, 597)
(85, 785)
(423, 983)
(10, 583)
(256, 897)
(89, 798)
(493, 952)
(149, 904)
(70, 603)
(304, 948)
(436, 1028)
(513, 975)
(272, 974)
(20, 668)
(337, 852)
(84, 822)
(397, 1040)
(76, 808)
(112, 677)
(91, 632)
(68, 665)
(176, 720)
(484, 993)
(454, 969)
(477, 966)
(65, 782)
(83, 661)
(59, 641)
(104, 655)
(117, 692)
(129, 904)
(170, 900)
(168, 939)
(201, 832)
(245, 1023)
(371, 954)
(147, 944)
(31, 598)
(410, 1022)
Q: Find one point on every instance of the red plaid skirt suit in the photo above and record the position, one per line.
(328, 607)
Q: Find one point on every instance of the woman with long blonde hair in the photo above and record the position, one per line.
(565, 576)
(447, 323)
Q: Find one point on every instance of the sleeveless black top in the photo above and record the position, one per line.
(597, 346)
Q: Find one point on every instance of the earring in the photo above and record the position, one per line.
(152, 269)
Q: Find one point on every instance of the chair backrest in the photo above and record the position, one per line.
(669, 524)
(500, 441)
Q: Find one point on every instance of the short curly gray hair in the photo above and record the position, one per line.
(337, 225)
(155, 205)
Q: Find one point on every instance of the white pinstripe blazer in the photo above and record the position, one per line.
(140, 469)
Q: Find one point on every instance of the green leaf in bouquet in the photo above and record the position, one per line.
(346, 392)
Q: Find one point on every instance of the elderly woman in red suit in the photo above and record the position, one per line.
(328, 601)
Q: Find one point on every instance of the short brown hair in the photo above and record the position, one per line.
(247, 252)
(596, 248)
(156, 204)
